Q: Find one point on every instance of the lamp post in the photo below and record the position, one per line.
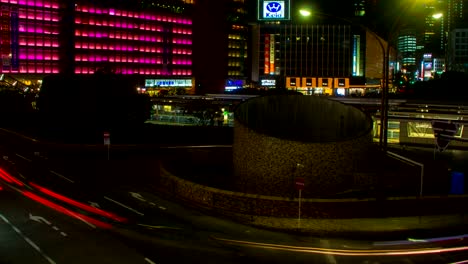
(384, 108)
(385, 73)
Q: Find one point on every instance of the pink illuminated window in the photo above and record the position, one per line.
(47, 16)
(78, 57)
(55, 70)
(22, 41)
(112, 12)
(55, 56)
(31, 69)
(98, 46)
(47, 69)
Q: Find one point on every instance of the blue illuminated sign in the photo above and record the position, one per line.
(273, 10)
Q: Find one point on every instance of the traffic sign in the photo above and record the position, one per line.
(106, 138)
(443, 132)
(299, 183)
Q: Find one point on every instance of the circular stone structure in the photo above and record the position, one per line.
(280, 138)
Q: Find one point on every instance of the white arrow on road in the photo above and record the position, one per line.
(94, 204)
(39, 219)
(137, 196)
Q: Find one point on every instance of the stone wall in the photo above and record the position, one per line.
(324, 214)
(272, 135)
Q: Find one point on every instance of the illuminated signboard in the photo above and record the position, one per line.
(273, 10)
(268, 82)
(168, 83)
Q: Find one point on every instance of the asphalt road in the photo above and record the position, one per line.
(47, 216)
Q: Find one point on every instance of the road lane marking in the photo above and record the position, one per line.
(23, 157)
(39, 219)
(137, 196)
(60, 175)
(123, 205)
(29, 241)
(149, 261)
(159, 227)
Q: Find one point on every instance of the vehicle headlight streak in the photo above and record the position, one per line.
(343, 252)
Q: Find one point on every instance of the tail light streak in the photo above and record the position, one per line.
(10, 179)
(79, 204)
(86, 219)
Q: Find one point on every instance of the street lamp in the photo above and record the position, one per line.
(385, 72)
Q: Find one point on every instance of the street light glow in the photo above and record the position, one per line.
(305, 12)
(437, 16)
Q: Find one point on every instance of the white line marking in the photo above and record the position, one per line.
(123, 205)
(39, 219)
(149, 261)
(63, 234)
(162, 207)
(55, 228)
(23, 157)
(60, 175)
(29, 241)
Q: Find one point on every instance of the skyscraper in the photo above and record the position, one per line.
(220, 44)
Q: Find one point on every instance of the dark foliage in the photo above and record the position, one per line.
(103, 101)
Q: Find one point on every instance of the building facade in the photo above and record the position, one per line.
(320, 54)
(43, 37)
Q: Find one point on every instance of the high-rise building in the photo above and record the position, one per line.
(143, 38)
(329, 52)
(458, 50)
(221, 37)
